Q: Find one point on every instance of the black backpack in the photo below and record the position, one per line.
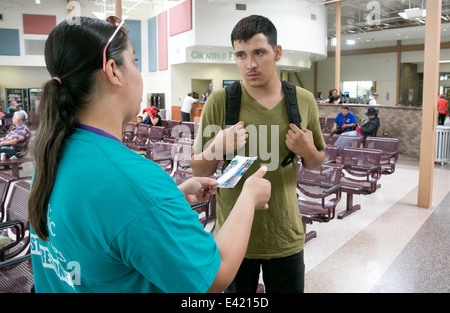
(233, 105)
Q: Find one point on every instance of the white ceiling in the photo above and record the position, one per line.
(389, 28)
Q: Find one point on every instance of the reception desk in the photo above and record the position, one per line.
(196, 112)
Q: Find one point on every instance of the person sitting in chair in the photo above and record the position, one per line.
(345, 121)
(368, 128)
(14, 141)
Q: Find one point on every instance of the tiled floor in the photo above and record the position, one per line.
(390, 245)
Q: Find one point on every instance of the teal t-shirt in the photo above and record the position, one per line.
(118, 223)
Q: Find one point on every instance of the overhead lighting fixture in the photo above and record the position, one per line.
(413, 14)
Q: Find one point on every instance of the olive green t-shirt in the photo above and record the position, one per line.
(278, 231)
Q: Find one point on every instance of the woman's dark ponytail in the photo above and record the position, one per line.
(73, 54)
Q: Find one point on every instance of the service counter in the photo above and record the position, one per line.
(402, 122)
(196, 112)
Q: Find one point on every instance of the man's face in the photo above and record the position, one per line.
(335, 94)
(256, 60)
(344, 112)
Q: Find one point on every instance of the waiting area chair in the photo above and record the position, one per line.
(319, 192)
(16, 275)
(389, 155)
(17, 225)
(362, 171)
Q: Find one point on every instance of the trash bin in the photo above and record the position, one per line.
(442, 149)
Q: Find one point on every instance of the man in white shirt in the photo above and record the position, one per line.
(373, 100)
(186, 107)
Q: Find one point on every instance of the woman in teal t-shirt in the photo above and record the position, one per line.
(99, 224)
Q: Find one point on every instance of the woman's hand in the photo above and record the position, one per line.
(258, 189)
(198, 189)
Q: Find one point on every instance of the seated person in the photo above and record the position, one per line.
(10, 112)
(368, 128)
(344, 122)
(334, 98)
(14, 141)
(153, 117)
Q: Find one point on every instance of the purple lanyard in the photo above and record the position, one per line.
(97, 131)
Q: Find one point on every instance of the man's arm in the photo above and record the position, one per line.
(11, 142)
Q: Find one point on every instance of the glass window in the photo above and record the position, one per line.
(359, 91)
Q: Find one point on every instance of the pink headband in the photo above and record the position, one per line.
(58, 80)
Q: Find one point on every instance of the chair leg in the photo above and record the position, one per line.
(309, 235)
(350, 207)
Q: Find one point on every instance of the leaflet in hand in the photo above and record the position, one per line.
(234, 171)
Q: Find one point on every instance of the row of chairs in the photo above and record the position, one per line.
(16, 273)
(388, 147)
(141, 137)
(356, 172)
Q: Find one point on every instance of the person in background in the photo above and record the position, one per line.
(442, 106)
(143, 236)
(368, 128)
(186, 107)
(277, 237)
(14, 140)
(334, 98)
(139, 119)
(10, 112)
(345, 121)
(373, 99)
(152, 117)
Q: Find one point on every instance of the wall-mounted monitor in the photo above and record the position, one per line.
(228, 82)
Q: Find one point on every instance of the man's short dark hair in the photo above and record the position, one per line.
(251, 25)
(345, 108)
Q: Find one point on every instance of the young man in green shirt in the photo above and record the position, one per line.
(277, 237)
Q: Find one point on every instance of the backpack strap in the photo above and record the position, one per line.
(290, 96)
(232, 103)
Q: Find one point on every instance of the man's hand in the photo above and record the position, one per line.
(229, 140)
(299, 141)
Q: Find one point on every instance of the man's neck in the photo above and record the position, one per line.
(268, 95)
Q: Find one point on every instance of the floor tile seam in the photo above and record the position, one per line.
(422, 247)
(375, 269)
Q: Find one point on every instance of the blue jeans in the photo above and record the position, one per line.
(8, 151)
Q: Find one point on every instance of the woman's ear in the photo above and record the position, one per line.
(114, 73)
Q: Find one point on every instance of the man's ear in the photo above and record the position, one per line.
(278, 52)
(114, 73)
